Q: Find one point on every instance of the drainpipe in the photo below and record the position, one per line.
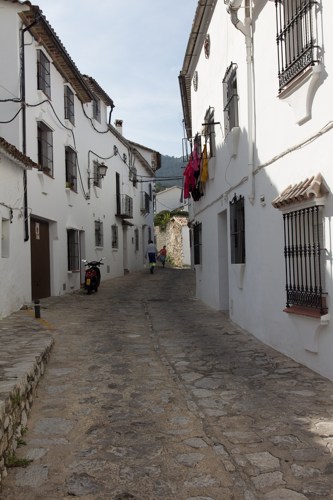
(24, 128)
(246, 28)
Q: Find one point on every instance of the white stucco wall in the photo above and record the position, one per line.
(15, 253)
(169, 199)
(48, 198)
(284, 153)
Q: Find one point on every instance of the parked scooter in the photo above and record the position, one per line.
(92, 276)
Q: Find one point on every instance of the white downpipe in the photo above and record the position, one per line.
(232, 8)
(234, 4)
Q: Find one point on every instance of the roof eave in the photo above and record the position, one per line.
(202, 18)
(13, 154)
(46, 36)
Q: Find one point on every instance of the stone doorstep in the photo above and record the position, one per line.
(16, 396)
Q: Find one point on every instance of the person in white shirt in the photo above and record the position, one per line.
(151, 255)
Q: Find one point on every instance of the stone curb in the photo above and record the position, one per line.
(16, 398)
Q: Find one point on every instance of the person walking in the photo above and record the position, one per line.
(151, 254)
(162, 255)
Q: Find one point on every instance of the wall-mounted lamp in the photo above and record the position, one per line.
(100, 170)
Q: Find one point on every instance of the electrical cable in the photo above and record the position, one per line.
(92, 122)
(12, 119)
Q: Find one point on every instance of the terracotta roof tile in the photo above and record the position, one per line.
(97, 89)
(310, 188)
(16, 154)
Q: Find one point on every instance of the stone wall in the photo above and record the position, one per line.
(171, 236)
(16, 398)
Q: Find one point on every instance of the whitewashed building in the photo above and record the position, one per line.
(170, 199)
(256, 87)
(90, 190)
(15, 252)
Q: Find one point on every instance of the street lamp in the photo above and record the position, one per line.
(100, 170)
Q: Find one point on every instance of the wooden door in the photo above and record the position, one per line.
(40, 259)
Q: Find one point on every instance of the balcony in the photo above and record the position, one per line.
(124, 206)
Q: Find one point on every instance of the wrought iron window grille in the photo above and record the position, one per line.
(197, 242)
(71, 168)
(237, 230)
(73, 250)
(69, 104)
(230, 98)
(297, 40)
(114, 236)
(304, 253)
(208, 132)
(43, 73)
(45, 148)
(99, 240)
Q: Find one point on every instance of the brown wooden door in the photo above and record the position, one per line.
(40, 259)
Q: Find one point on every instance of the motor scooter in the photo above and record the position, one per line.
(92, 277)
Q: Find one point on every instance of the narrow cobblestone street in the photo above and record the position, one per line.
(149, 394)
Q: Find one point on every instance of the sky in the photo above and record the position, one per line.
(135, 50)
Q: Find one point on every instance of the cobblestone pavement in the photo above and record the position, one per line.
(149, 394)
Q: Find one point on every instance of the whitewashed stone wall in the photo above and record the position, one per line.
(173, 238)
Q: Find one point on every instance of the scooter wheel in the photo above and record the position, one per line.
(89, 291)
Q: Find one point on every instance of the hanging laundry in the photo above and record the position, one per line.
(204, 166)
(191, 172)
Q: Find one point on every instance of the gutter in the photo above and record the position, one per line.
(246, 28)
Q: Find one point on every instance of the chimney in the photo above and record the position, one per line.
(119, 126)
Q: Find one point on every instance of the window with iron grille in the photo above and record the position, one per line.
(45, 147)
(5, 238)
(197, 237)
(69, 104)
(133, 176)
(145, 202)
(208, 133)
(114, 236)
(304, 254)
(97, 179)
(136, 239)
(118, 195)
(237, 230)
(43, 73)
(71, 168)
(230, 98)
(73, 252)
(97, 109)
(98, 233)
(296, 38)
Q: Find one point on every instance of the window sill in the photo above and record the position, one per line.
(73, 271)
(232, 140)
(304, 311)
(300, 93)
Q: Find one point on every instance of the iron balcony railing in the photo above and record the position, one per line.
(124, 206)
